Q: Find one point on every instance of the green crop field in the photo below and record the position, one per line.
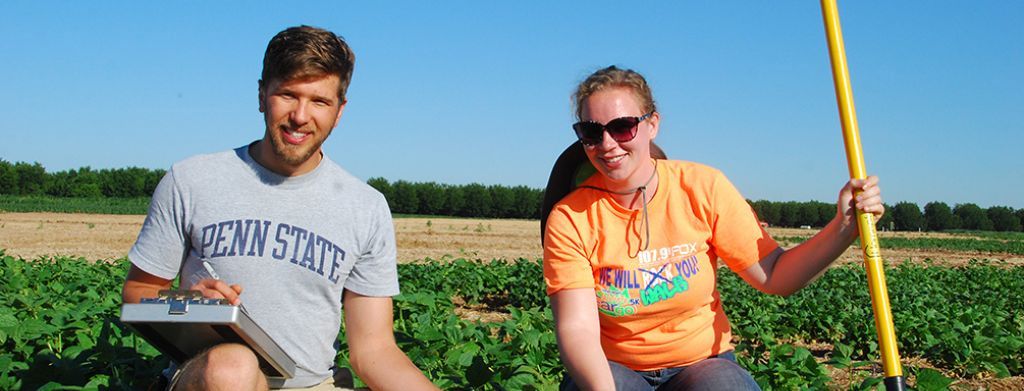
(102, 205)
(59, 326)
(975, 242)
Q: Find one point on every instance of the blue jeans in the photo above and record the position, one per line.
(715, 373)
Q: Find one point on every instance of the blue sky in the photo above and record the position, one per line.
(465, 92)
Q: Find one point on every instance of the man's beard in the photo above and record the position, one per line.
(294, 155)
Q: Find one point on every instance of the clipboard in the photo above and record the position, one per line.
(182, 324)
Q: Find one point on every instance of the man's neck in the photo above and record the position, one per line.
(262, 152)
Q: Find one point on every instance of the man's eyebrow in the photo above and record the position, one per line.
(327, 98)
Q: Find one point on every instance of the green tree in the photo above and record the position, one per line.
(767, 211)
(478, 201)
(406, 199)
(31, 178)
(972, 217)
(789, 214)
(826, 212)
(432, 198)
(85, 183)
(502, 201)
(8, 178)
(1020, 216)
(939, 217)
(527, 202)
(87, 190)
(455, 200)
(123, 182)
(806, 214)
(59, 184)
(152, 180)
(907, 216)
(1003, 219)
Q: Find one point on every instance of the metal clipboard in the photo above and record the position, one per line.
(182, 324)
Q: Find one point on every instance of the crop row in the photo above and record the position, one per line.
(1013, 245)
(59, 328)
(102, 205)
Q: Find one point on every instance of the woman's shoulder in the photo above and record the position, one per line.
(690, 172)
(580, 199)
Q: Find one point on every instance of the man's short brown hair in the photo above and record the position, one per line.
(308, 52)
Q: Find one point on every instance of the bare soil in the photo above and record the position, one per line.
(94, 237)
(420, 238)
(106, 237)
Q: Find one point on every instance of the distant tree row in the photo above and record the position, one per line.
(794, 214)
(32, 179)
(497, 201)
(904, 216)
(472, 200)
(938, 216)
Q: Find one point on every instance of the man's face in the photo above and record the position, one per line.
(300, 114)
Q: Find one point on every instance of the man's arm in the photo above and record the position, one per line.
(139, 284)
(373, 353)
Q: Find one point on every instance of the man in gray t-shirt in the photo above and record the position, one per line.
(279, 218)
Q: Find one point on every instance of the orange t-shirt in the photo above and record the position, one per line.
(658, 308)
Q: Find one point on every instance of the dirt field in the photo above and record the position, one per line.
(102, 237)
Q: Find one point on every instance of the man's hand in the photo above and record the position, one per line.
(218, 289)
(139, 285)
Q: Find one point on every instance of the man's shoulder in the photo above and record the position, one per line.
(347, 183)
(207, 161)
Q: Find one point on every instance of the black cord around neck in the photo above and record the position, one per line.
(643, 193)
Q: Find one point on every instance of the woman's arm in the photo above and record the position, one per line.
(578, 331)
(373, 353)
(784, 272)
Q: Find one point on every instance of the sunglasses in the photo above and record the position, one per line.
(621, 129)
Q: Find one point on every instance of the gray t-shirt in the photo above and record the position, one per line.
(292, 243)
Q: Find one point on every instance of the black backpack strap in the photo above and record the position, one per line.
(561, 181)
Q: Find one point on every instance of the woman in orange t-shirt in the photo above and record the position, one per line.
(630, 255)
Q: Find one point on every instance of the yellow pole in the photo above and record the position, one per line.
(868, 237)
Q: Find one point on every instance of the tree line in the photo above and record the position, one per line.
(26, 179)
(903, 216)
(497, 201)
(472, 200)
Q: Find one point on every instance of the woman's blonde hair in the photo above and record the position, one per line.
(610, 77)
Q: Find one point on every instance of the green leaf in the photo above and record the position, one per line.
(98, 381)
(7, 319)
(50, 386)
(871, 383)
(999, 369)
(929, 379)
(468, 353)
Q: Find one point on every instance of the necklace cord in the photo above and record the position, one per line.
(643, 193)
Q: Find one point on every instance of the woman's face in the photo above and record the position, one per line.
(624, 164)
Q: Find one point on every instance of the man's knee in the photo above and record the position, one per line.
(223, 367)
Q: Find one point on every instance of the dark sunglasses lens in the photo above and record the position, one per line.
(589, 133)
(623, 129)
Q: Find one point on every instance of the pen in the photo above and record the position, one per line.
(213, 273)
